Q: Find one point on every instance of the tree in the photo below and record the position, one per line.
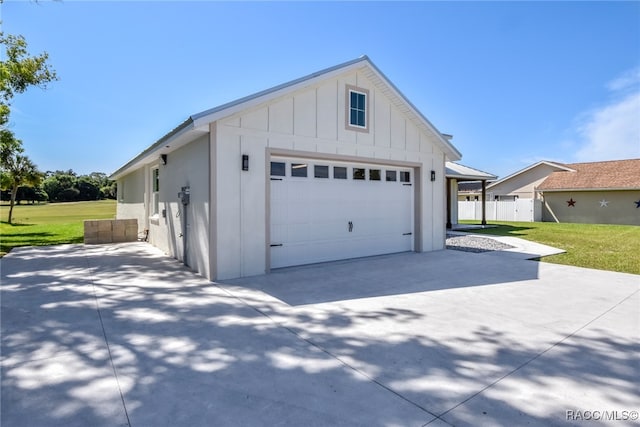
(87, 188)
(19, 71)
(58, 183)
(19, 170)
(31, 194)
(9, 145)
(67, 186)
(109, 191)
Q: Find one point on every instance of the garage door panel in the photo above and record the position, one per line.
(332, 231)
(311, 217)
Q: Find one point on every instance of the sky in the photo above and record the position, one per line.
(513, 82)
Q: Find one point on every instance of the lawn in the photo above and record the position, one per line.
(51, 223)
(599, 246)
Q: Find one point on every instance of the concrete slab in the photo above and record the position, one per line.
(64, 389)
(178, 349)
(594, 370)
(121, 335)
(521, 248)
(440, 338)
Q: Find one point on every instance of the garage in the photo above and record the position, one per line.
(334, 165)
(331, 210)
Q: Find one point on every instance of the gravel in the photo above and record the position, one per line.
(474, 243)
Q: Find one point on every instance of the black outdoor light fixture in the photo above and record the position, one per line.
(433, 175)
(163, 157)
(245, 162)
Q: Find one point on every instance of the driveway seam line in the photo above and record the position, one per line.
(572, 334)
(333, 356)
(106, 340)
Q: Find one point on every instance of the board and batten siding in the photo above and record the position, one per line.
(311, 122)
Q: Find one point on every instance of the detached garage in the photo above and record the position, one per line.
(335, 165)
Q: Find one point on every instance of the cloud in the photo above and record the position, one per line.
(612, 132)
(625, 81)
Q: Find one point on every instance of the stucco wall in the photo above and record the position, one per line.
(130, 196)
(522, 185)
(620, 208)
(311, 120)
(187, 166)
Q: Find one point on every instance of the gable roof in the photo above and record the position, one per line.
(466, 173)
(555, 165)
(609, 175)
(198, 124)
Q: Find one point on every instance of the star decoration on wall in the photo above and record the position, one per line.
(604, 203)
(571, 203)
(637, 204)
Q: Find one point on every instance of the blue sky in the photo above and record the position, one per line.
(514, 82)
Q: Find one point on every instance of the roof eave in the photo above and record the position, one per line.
(449, 149)
(230, 108)
(559, 190)
(521, 171)
(200, 121)
(472, 177)
(155, 149)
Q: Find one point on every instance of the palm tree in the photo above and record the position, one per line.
(19, 170)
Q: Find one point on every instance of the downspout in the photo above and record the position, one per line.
(184, 196)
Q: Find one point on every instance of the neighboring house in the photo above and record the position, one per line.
(470, 191)
(335, 165)
(458, 175)
(523, 183)
(595, 193)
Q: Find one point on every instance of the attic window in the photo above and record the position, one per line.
(357, 103)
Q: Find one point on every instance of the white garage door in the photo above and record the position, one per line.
(326, 211)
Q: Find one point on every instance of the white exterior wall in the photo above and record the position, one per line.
(311, 121)
(186, 166)
(131, 198)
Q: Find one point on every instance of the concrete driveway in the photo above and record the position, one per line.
(120, 335)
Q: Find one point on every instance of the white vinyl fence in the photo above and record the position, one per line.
(525, 210)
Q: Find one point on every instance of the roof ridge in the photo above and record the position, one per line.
(604, 161)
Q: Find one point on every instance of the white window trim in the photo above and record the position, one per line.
(348, 90)
(155, 195)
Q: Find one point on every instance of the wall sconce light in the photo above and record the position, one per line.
(163, 157)
(245, 162)
(433, 175)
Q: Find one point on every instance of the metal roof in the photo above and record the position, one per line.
(466, 173)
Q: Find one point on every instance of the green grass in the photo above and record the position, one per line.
(599, 246)
(50, 224)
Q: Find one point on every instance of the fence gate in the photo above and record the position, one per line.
(524, 210)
